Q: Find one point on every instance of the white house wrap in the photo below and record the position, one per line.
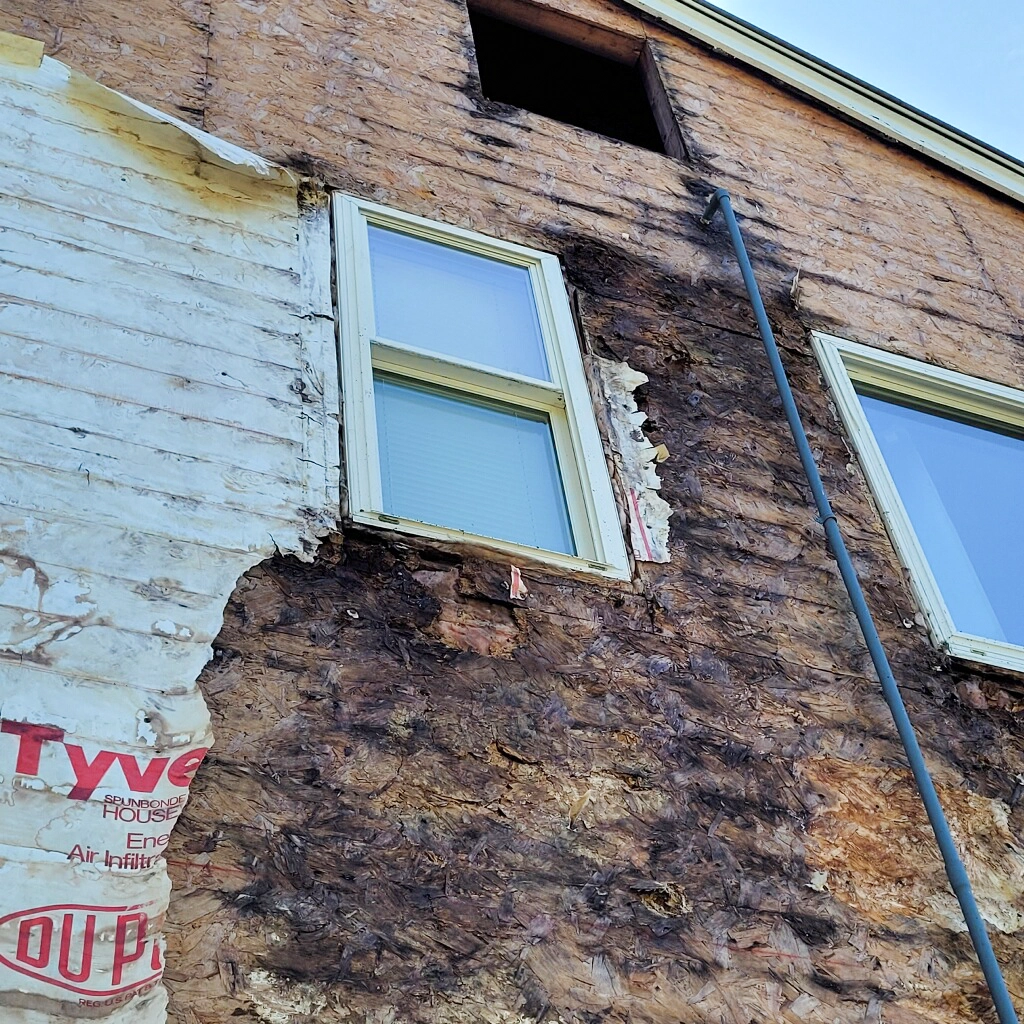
(168, 388)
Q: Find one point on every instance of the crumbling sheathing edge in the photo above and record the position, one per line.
(635, 458)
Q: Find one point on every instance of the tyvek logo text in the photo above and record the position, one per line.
(141, 774)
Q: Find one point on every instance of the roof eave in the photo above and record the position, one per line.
(872, 107)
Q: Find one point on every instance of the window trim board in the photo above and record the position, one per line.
(845, 362)
(593, 510)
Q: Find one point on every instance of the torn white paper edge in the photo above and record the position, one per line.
(517, 587)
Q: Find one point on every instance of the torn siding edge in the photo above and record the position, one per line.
(636, 460)
(320, 370)
(24, 52)
(20, 50)
(212, 149)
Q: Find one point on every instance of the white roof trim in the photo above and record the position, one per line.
(858, 100)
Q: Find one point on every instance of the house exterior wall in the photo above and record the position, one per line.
(679, 799)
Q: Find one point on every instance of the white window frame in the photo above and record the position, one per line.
(845, 363)
(593, 513)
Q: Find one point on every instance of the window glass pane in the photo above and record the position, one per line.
(963, 488)
(455, 303)
(481, 467)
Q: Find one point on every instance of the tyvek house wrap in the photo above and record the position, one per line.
(167, 411)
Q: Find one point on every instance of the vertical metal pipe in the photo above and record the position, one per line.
(955, 870)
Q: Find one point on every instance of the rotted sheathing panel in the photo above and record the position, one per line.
(678, 800)
(161, 430)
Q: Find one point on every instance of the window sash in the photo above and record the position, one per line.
(506, 307)
(565, 398)
(473, 378)
(846, 364)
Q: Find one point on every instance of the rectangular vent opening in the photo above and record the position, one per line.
(617, 92)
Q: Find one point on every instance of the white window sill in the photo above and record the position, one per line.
(518, 554)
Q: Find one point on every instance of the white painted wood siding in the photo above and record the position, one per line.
(168, 418)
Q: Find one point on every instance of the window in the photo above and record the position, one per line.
(944, 456)
(573, 72)
(466, 409)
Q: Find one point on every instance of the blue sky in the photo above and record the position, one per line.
(959, 60)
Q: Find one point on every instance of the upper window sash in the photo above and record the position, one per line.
(565, 396)
(846, 366)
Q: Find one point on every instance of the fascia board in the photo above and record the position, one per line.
(843, 92)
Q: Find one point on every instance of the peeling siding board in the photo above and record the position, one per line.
(167, 408)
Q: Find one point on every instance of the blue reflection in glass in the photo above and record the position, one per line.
(455, 303)
(963, 488)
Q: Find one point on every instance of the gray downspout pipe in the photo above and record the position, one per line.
(955, 871)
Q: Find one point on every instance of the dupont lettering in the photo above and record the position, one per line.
(95, 951)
